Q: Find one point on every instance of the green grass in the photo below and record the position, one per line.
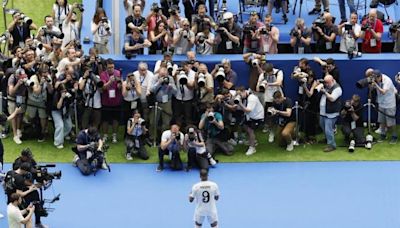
(266, 152)
(35, 9)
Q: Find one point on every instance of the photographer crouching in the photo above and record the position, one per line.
(136, 132)
(197, 151)
(352, 125)
(89, 151)
(171, 144)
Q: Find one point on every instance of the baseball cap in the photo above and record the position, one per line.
(167, 53)
(227, 15)
(376, 73)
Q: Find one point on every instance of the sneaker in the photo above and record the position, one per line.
(241, 142)
(19, 133)
(232, 142)
(17, 140)
(314, 11)
(1, 216)
(380, 131)
(75, 160)
(104, 166)
(289, 147)
(114, 138)
(352, 146)
(41, 139)
(3, 136)
(285, 19)
(329, 149)
(129, 157)
(40, 225)
(271, 137)
(105, 137)
(382, 138)
(265, 130)
(61, 146)
(159, 168)
(250, 151)
(393, 140)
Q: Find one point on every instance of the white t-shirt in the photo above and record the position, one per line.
(204, 194)
(71, 32)
(14, 216)
(347, 40)
(205, 48)
(387, 100)
(166, 135)
(61, 65)
(95, 101)
(60, 13)
(158, 65)
(336, 93)
(101, 35)
(270, 90)
(257, 109)
(183, 45)
(145, 83)
(188, 93)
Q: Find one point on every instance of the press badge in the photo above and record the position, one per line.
(353, 125)
(373, 42)
(266, 48)
(179, 50)
(18, 100)
(137, 143)
(111, 93)
(229, 45)
(301, 90)
(133, 104)
(328, 45)
(300, 50)
(164, 98)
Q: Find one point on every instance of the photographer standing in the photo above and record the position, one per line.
(329, 68)
(131, 91)
(371, 33)
(224, 75)
(254, 112)
(135, 44)
(386, 99)
(146, 79)
(136, 131)
(205, 40)
(101, 31)
(324, 32)
(251, 34)
(60, 112)
(352, 123)
(171, 144)
(350, 32)
(90, 85)
(135, 21)
(228, 35)
(71, 26)
(47, 33)
(183, 39)
(329, 108)
(212, 124)
(20, 29)
(202, 20)
(300, 37)
(205, 87)
(16, 215)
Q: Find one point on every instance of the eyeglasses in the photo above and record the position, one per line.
(186, 25)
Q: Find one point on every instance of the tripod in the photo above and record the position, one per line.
(296, 107)
(157, 109)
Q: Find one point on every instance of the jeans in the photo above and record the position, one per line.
(342, 8)
(327, 127)
(62, 125)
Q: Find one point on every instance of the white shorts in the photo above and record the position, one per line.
(212, 218)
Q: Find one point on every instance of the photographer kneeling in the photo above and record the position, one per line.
(197, 151)
(284, 118)
(352, 122)
(89, 148)
(171, 144)
(136, 132)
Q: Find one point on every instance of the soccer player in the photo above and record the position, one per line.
(206, 193)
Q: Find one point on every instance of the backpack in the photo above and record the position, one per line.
(9, 182)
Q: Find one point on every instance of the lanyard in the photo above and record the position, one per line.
(21, 32)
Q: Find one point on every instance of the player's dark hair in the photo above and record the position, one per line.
(203, 173)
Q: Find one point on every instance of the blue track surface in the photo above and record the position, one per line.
(278, 195)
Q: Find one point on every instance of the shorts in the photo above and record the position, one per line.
(211, 218)
(12, 106)
(388, 121)
(34, 107)
(110, 113)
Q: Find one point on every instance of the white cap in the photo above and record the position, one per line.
(227, 15)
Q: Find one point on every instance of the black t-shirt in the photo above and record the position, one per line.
(335, 74)
(135, 21)
(358, 111)
(321, 44)
(20, 34)
(306, 33)
(84, 139)
(287, 103)
(224, 48)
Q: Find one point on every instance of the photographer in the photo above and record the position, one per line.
(71, 60)
(175, 20)
(135, 21)
(300, 37)
(30, 63)
(20, 29)
(90, 85)
(329, 68)
(25, 157)
(251, 34)
(135, 44)
(159, 38)
(350, 32)
(37, 98)
(228, 35)
(283, 118)
(20, 182)
(224, 75)
(204, 86)
(146, 78)
(196, 148)
(16, 215)
(256, 63)
(71, 26)
(324, 33)
(171, 144)
(329, 108)
(205, 40)
(89, 149)
(386, 99)
(101, 31)
(352, 122)
(129, 5)
(163, 90)
(216, 134)
(136, 131)
(183, 39)
(131, 92)
(154, 17)
(62, 100)
(394, 30)
(47, 34)
(60, 12)
(166, 5)
(202, 20)
(254, 112)
(371, 33)
(268, 83)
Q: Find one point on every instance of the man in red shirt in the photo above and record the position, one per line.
(371, 33)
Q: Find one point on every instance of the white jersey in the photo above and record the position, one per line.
(204, 194)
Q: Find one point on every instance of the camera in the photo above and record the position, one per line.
(247, 29)
(319, 22)
(68, 95)
(265, 30)
(28, 83)
(201, 38)
(142, 122)
(80, 7)
(352, 53)
(255, 62)
(94, 78)
(210, 116)
(271, 111)
(220, 75)
(165, 80)
(395, 27)
(347, 105)
(295, 33)
(223, 23)
(177, 136)
(363, 83)
(185, 34)
(368, 141)
(261, 88)
(4, 37)
(352, 146)
(237, 99)
(170, 67)
(365, 27)
(173, 9)
(192, 134)
(202, 80)
(155, 8)
(26, 19)
(182, 78)
(42, 173)
(348, 27)
(397, 78)
(52, 34)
